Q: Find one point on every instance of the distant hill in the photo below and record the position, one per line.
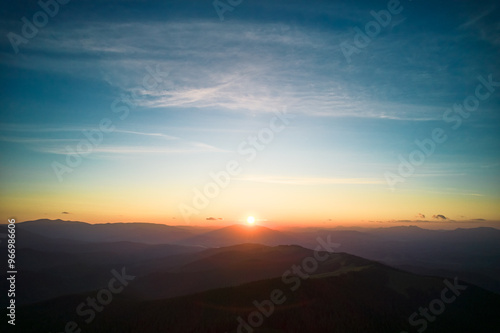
(149, 233)
(238, 234)
(473, 254)
(230, 266)
(52, 267)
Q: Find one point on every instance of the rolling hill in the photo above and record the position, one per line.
(355, 296)
(149, 233)
(239, 234)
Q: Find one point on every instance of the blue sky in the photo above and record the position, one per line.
(222, 81)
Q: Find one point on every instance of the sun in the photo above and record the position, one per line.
(250, 220)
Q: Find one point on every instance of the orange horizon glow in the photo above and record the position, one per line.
(283, 225)
(273, 207)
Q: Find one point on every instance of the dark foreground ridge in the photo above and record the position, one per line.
(353, 295)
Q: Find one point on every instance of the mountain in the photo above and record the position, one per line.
(473, 254)
(238, 234)
(355, 295)
(52, 267)
(228, 266)
(148, 233)
(48, 275)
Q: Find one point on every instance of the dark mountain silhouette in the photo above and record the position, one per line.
(148, 233)
(473, 254)
(230, 266)
(56, 267)
(360, 297)
(238, 234)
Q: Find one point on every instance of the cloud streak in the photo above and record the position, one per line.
(251, 76)
(137, 150)
(311, 180)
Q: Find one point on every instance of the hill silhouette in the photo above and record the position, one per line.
(364, 298)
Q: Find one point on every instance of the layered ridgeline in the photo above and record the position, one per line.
(342, 293)
(473, 254)
(142, 277)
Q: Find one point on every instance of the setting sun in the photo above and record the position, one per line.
(250, 220)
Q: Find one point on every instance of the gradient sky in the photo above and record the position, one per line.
(221, 82)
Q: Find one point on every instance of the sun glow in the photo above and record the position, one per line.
(251, 220)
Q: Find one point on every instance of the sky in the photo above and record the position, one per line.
(307, 113)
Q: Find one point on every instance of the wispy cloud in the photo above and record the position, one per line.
(34, 128)
(134, 150)
(311, 180)
(160, 135)
(251, 74)
(29, 129)
(483, 30)
(475, 19)
(455, 192)
(35, 139)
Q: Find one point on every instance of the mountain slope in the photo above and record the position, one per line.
(375, 298)
(474, 254)
(229, 266)
(239, 234)
(149, 233)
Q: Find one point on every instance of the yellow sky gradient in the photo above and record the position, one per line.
(274, 205)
